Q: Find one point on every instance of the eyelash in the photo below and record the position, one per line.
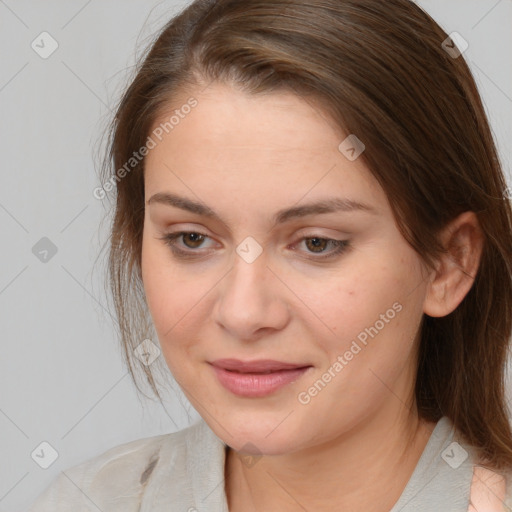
(170, 239)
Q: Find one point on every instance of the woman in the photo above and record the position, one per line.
(311, 213)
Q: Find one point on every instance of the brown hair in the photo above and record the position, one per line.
(382, 73)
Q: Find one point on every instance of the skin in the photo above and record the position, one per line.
(357, 442)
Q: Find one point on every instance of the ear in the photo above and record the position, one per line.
(457, 268)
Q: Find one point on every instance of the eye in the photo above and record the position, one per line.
(316, 245)
(192, 240)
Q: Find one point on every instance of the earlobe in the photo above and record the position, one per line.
(457, 267)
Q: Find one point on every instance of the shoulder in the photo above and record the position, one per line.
(117, 478)
(490, 491)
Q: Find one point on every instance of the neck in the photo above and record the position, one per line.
(365, 468)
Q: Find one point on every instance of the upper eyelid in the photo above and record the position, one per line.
(300, 238)
(341, 246)
(307, 232)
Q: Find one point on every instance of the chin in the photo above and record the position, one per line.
(256, 435)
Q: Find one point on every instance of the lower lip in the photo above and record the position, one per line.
(257, 384)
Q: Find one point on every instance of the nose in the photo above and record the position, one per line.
(251, 300)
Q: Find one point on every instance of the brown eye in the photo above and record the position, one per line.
(196, 239)
(318, 244)
(191, 240)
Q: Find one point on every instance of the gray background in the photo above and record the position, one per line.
(61, 376)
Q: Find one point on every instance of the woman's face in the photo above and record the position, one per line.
(250, 282)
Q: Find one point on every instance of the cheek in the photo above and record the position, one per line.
(176, 302)
(371, 314)
(166, 294)
(350, 300)
(154, 281)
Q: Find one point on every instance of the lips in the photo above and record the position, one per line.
(261, 366)
(257, 379)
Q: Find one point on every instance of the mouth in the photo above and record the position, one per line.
(256, 378)
(261, 366)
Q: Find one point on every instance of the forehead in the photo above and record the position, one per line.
(276, 144)
(228, 116)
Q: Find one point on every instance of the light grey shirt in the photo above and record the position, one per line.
(184, 472)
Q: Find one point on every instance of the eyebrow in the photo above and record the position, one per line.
(327, 205)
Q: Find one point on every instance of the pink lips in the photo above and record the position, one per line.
(256, 378)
